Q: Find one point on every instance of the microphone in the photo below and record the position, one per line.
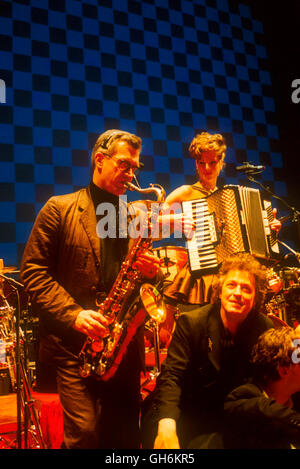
(249, 168)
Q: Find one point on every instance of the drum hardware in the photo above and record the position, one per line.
(277, 322)
(292, 299)
(291, 292)
(7, 322)
(274, 280)
(171, 260)
(285, 303)
(8, 270)
(296, 254)
(31, 429)
(29, 327)
(276, 308)
(290, 277)
(33, 437)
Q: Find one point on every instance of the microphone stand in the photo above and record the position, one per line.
(24, 398)
(295, 213)
(14, 284)
(296, 254)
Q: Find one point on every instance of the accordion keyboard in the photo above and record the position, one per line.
(202, 254)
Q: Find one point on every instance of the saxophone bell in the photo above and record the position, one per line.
(153, 303)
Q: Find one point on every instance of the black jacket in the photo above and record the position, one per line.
(201, 367)
(255, 421)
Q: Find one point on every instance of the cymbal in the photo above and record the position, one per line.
(11, 269)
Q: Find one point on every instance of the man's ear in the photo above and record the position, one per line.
(99, 160)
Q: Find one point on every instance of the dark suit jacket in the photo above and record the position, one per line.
(61, 269)
(254, 421)
(199, 371)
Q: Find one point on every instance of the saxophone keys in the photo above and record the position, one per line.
(97, 345)
(85, 370)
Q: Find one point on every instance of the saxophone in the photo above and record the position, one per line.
(101, 357)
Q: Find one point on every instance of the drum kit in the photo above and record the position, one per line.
(283, 299)
(15, 364)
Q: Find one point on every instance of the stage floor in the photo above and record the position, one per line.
(8, 409)
(8, 421)
(48, 412)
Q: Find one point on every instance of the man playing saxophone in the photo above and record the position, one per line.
(68, 269)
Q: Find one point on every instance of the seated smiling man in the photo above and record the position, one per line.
(209, 355)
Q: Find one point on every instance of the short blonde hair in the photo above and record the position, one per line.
(206, 142)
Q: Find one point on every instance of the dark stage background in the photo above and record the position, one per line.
(161, 69)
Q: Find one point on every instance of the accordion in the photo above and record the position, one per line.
(230, 220)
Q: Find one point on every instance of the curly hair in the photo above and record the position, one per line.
(274, 348)
(247, 263)
(107, 141)
(206, 142)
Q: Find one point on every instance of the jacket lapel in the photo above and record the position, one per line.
(213, 338)
(89, 222)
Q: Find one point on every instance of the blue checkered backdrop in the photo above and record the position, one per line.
(163, 69)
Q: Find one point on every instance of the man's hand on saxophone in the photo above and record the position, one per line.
(92, 323)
